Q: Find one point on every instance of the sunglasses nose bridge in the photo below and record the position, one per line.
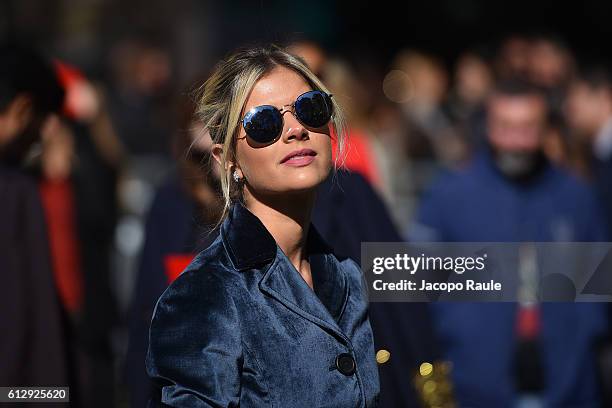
(298, 125)
(287, 108)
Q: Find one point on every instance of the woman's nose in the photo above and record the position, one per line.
(295, 130)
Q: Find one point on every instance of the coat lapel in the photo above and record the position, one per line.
(250, 245)
(284, 283)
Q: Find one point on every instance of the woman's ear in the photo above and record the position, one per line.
(217, 153)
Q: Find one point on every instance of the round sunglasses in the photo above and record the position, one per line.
(264, 124)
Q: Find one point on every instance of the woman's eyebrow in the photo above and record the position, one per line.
(292, 100)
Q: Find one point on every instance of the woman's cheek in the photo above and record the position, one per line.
(271, 176)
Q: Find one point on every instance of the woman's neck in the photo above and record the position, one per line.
(287, 219)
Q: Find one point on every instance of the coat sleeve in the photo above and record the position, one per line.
(195, 352)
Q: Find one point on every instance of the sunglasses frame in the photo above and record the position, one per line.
(284, 109)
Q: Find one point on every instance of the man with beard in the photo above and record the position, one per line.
(511, 193)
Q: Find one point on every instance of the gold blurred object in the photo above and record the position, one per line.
(434, 386)
(425, 369)
(382, 356)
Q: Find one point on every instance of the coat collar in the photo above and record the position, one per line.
(248, 242)
(250, 245)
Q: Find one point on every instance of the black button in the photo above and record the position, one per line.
(345, 364)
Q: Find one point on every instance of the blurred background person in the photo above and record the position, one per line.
(311, 52)
(33, 349)
(511, 193)
(424, 90)
(473, 80)
(141, 95)
(550, 65)
(512, 57)
(361, 154)
(589, 114)
(77, 170)
(179, 224)
(142, 108)
(411, 125)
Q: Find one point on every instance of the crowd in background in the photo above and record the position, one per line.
(126, 195)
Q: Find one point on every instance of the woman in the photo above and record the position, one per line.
(267, 315)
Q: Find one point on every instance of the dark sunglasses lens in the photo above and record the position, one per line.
(263, 124)
(314, 109)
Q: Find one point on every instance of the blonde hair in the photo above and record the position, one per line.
(221, 101)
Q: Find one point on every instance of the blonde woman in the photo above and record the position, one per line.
(267, 315)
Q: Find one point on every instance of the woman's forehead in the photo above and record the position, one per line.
(279, 87)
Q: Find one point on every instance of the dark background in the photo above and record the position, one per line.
(201, 31)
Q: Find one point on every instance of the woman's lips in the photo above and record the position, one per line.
(299, 158)
(299, 161)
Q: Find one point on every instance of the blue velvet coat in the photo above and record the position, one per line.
(240, 327)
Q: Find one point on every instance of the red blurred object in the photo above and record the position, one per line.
(174, 264)
(58, 203)
(359, 156)
(69, 77)
(82, 101)
(528, 322)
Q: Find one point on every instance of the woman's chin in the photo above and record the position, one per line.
(298, 187)
(291, 183)
(301, 187)
(307, 180)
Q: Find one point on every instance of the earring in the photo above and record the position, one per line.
(237, 178)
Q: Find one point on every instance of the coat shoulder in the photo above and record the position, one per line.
(355, 276)
(207, 276)
(194, 328)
